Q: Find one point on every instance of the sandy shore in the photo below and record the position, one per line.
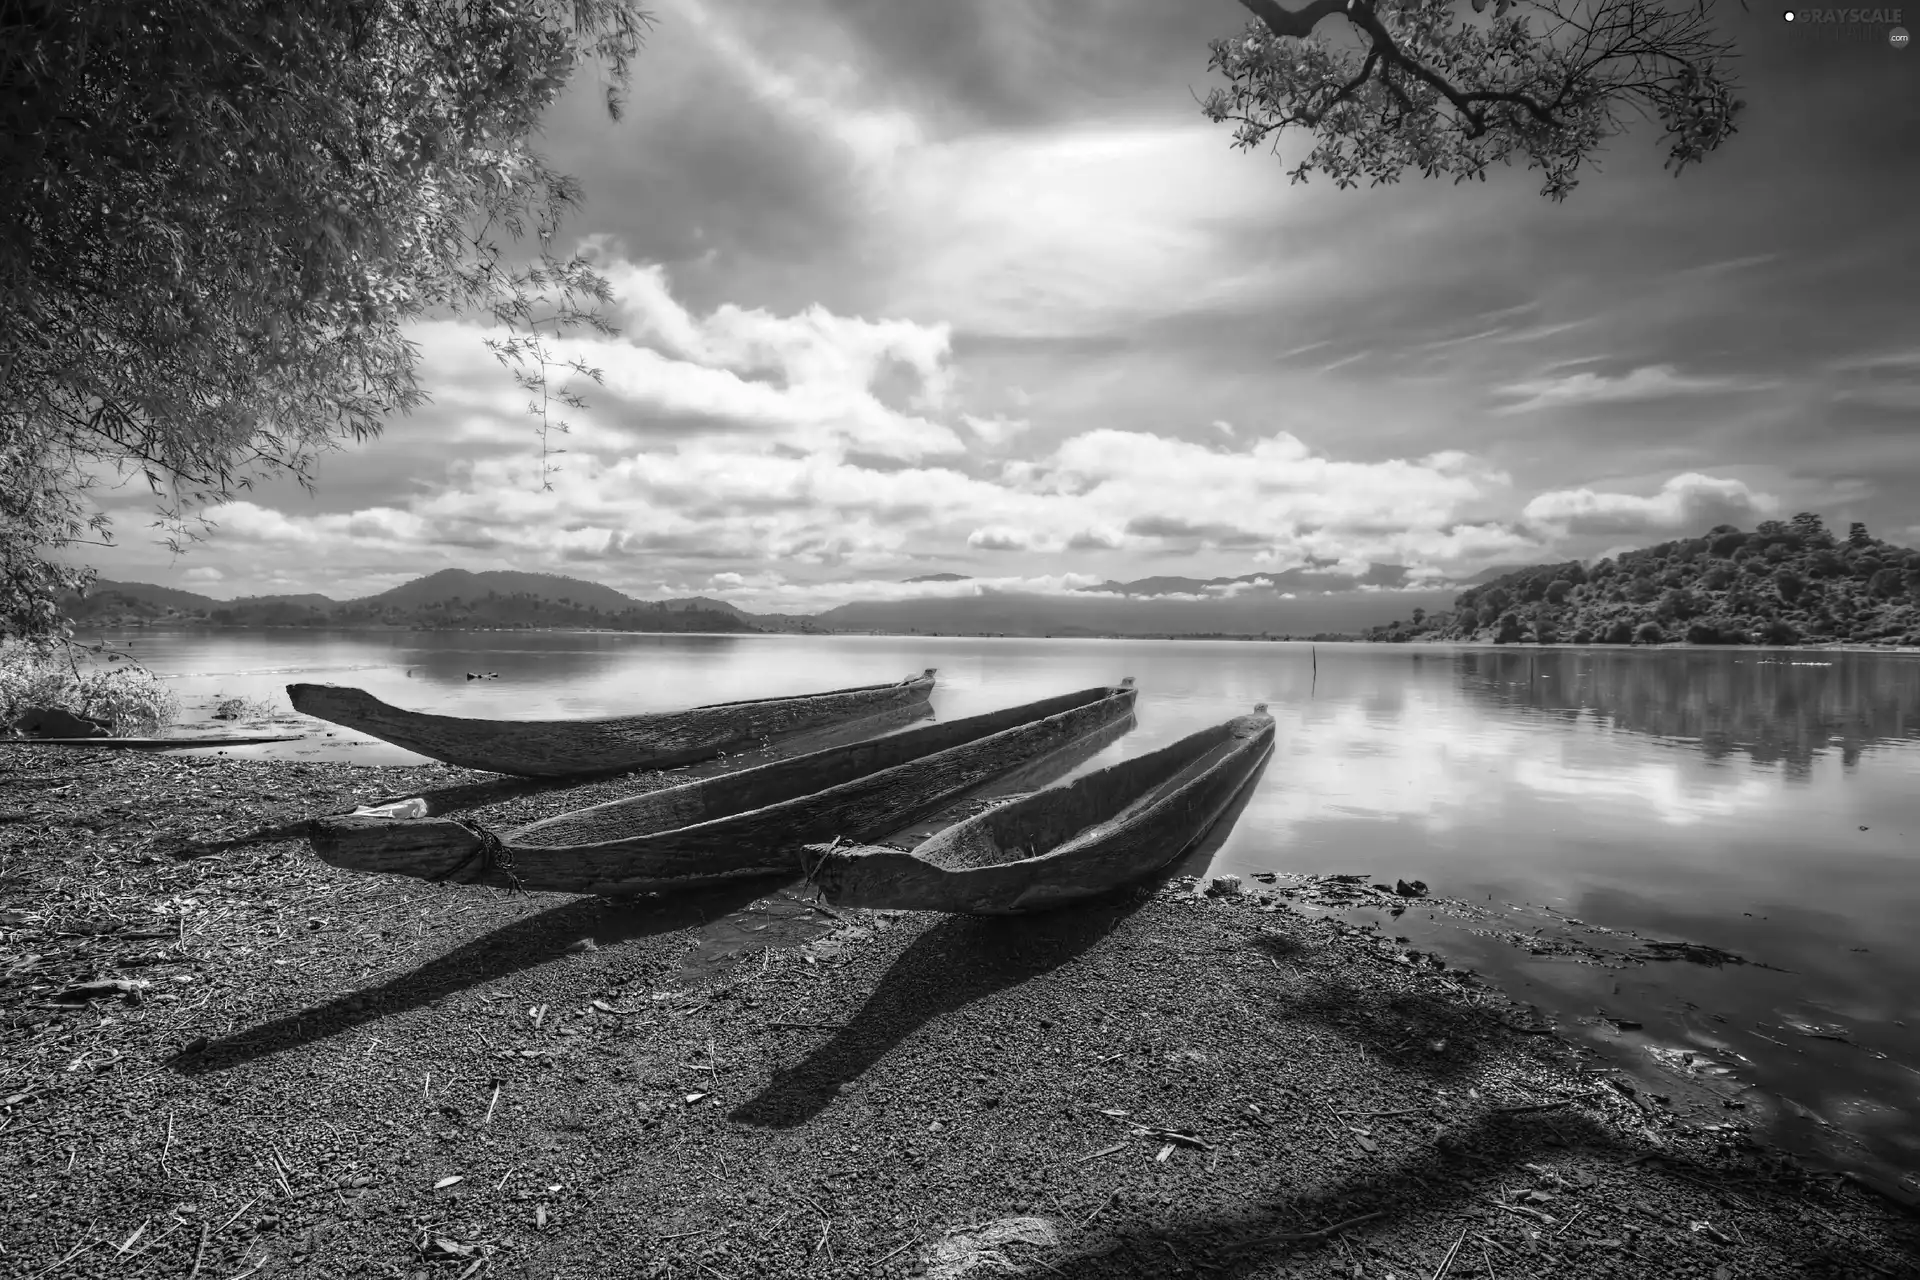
(348, 1076)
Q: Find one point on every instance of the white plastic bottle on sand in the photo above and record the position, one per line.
(414, 808)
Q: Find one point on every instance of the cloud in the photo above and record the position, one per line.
(1000, 539)
(995, 430)
(1690, 502)
(1733, 264)
(1076, 229)
(1229, 590)
(1095, 540)
(203, 573)
(1276, 486)
(1291, 352)
(1879, 379)
(770, 593)
(1649, 382)
(813, 89)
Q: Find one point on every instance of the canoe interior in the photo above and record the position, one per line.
(1083, 811)
(807, 741)
(1012, 786)
(925, 676)
(1104, 831)
(782, 780)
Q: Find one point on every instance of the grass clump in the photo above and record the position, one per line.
(129, 697)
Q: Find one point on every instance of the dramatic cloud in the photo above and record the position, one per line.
(1690, 502)
(916, 288)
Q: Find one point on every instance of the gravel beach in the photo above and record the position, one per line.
(222, 1058)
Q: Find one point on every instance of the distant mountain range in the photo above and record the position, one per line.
(1305, 601)
(452, 598)
(1785, 582)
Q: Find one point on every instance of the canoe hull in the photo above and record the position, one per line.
(751, 823)
(1092, 836)
(579, 748)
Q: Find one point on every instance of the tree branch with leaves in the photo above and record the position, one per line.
(223, 214)
(1424, 85)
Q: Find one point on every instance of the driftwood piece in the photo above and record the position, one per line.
(574, 748)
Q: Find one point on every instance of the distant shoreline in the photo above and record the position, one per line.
(1836, 647)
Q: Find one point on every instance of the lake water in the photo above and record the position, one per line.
(1766, 803)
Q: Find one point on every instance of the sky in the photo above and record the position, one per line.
(907, 288)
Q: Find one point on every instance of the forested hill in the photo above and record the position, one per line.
(1787, 582)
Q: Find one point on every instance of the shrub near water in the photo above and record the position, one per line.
(130, 698)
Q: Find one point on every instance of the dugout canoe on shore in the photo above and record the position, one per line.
(1098, 833)
(614, 744)
(736, 825)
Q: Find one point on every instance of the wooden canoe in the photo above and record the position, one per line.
(1089, 837)
(573, 748)
(749, 823)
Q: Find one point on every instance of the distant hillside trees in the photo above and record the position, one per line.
(1785, 582)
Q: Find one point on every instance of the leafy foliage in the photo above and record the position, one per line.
(129, 697)
(1784, 583)
(36, 509)
(1418, 85)
(222, 213)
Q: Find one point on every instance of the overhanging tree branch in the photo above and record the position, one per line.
(1419, 85)
(225, 214)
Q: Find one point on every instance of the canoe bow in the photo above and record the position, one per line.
(1098, 833)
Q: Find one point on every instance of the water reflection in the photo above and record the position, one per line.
(1782, 707)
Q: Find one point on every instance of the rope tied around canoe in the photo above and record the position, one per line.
(489, 851)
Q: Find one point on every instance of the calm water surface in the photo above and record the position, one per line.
(1765, 803)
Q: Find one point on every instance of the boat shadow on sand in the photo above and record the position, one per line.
(537, 938)
(959, 960)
